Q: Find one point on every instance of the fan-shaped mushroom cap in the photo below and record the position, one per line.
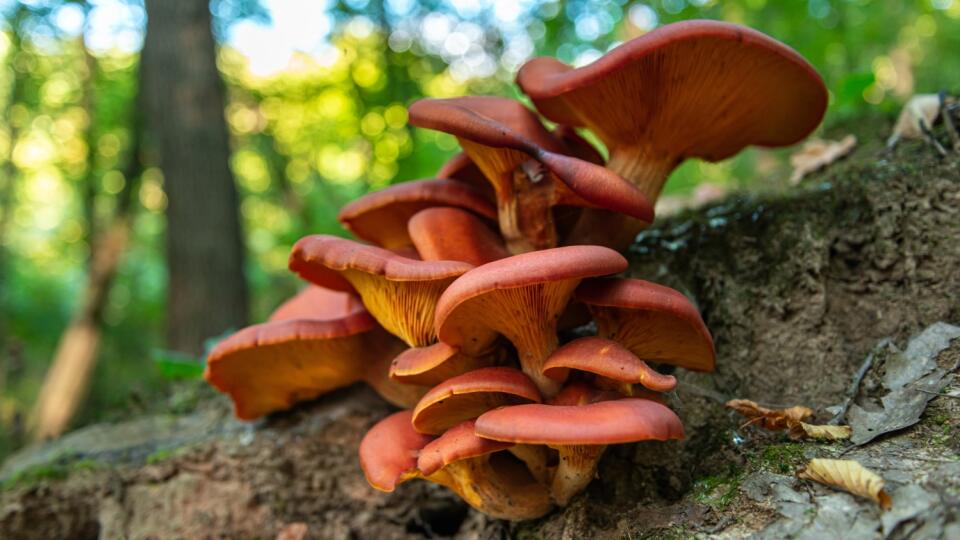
(400, 293)
(388, 452)
(315, 302)
(520, 297)
(656, 323)
(699, 89)
(457, 443)
(516, 154)
(606, 359)
(381, 217)
(434, 364)
(580, 433)
(269, 367)
(470, 395)
(694, 89)
(451, 234)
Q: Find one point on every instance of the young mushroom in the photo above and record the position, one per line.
(520, 297)
(314, 302)
(527, 166)
(451, 234)
(694, 89)
(579, 427)
(434, 364)
(484, 476)
(381, 217)
(656, 323)
(469, 395)
(612, 366)
(400, 293)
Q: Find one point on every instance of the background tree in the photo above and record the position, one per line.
(207, 292)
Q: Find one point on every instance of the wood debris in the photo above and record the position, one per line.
(817, 154)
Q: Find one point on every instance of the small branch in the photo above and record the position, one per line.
(931, 139)
(857, 380)
(932, 393)
(948, 122)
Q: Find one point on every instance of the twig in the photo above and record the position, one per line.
(931, 139)
(948, 122)
(855, 385)
(937, 393)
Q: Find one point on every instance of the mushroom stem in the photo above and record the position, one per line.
(578, 466)
(535, 457)
(496, 485)
(534, 345)
(605, 228)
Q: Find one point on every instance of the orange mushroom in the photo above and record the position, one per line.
(460, 168)
(527, 167)
(451, 234)
(694, 89)
(400, 293)
(315, 302)
(271, 366)
(469, 395)
(381, 217)
(656, 323)
(579, 427)
(484, 476)
(520, 297)
(434, 364)
(612, 365)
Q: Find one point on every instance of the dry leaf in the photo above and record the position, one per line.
(801, 430)
(817, 154)
(772, 419)
(849, 476)
(921, 107)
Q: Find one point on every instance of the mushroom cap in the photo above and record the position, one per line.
(730, 87)
(469, 395)
(605, 422)
(388, 452)
(434, 364)
(399, 292)
(269, 367)
(578, 145)
(607, 359)
(459, 311)
(315, 302)
(381, 217)
(654, 322)
(450, 234)
(496, 122)
(457, 443)
(461, 169)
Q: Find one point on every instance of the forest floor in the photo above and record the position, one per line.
(799, 289)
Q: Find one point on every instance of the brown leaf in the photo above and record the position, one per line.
(817, 154)
(849, 476)
(801, 430)
(772, 419)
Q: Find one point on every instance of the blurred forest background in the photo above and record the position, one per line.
(157, 161)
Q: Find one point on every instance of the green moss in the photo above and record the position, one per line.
(781, 458)
(718, 491)
(53, 471)
(160, 455)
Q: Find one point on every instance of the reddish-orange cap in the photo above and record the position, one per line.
(654, 322)
(388, 452)
(315, 302)
(607, 359)
(606, 422)
(451, 234)
(457, 443)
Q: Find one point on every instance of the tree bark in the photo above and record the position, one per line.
(185, 102)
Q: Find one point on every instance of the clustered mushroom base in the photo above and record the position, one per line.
(453, 314)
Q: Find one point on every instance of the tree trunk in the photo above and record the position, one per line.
(185, 102)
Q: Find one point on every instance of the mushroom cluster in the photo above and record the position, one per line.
(452, 302)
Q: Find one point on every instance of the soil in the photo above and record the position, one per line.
(797, 288)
